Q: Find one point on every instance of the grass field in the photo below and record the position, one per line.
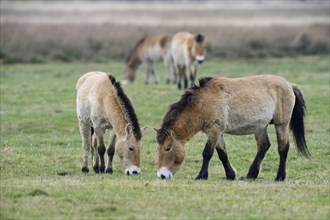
(40, 142)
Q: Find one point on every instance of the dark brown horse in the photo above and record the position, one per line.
(234, 106)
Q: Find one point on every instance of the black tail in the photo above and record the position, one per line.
(297, 122)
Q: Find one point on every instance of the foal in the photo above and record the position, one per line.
(101, 105)
(234, 106)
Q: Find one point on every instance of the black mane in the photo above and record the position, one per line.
(176, 108)
(128, 107)
(129, 57)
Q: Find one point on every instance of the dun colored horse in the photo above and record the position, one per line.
(234, 106)
(187, 51)
(149, 50)
(101, 105)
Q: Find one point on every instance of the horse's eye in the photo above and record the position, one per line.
(167, 149)
(130, 148)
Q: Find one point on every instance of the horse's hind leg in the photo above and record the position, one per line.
(207, 155)
(111, 152)
(156, 78)
(283, 148)
(222, 153)
(85, 132)
(99, 132)
(95, 155)
(263, 146)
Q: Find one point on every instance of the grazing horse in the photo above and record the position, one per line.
(234, 106)
(187, 51)
(149, 50)
(101, 105)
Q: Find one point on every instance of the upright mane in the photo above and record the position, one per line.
(178, 107)
(129, 110)
(130, 55)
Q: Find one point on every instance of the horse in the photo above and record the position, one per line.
(235, 106)
(187, 51)
(149, 50)
(102, 105)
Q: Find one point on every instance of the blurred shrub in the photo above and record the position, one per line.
(106, 42)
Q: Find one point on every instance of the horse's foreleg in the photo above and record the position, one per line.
(222, 153)
(184, 76)
(85, 132)
(207, 155)
(146, 79)
(192, 74)
(168, 67)
(283, 148)
(263, 146)
(111, 152)
(179, 76)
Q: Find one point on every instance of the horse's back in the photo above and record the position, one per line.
(91, 78)
(179, 46)
(154, 48)
(92, 89)
(248, 104)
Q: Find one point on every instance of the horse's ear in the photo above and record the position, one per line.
(172, 135)
(144, 129)
(199, 38)
(128, 131)
(157, 130)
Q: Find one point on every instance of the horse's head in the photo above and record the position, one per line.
(128, 150)
(198, 49)
(129, 75)
(170, 154)
(132, 63)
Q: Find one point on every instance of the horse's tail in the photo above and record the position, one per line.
(297, 122)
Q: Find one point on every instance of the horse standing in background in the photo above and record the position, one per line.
(234, 106)
(187, 51)
(149, 50)
(101, 105)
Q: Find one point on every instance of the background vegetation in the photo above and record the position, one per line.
(104, 31)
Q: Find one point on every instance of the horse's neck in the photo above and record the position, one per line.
(118, 118)
(185, 127)
(135, 59)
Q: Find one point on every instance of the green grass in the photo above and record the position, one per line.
(40, 140)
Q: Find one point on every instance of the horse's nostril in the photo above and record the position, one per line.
(127, 173)
(200, 61)
(135, 172)
(163, 176)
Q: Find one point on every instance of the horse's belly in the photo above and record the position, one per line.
(245, 129)
(249, 124)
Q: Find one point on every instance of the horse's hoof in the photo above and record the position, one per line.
(230, 178)
(96, 169)
(246, 178)
(279, 179)
(203, 176)
(109, 170)
(102, 169)
(85, 169)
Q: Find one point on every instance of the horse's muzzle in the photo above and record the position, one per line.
(164, 173)
(132, 170)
